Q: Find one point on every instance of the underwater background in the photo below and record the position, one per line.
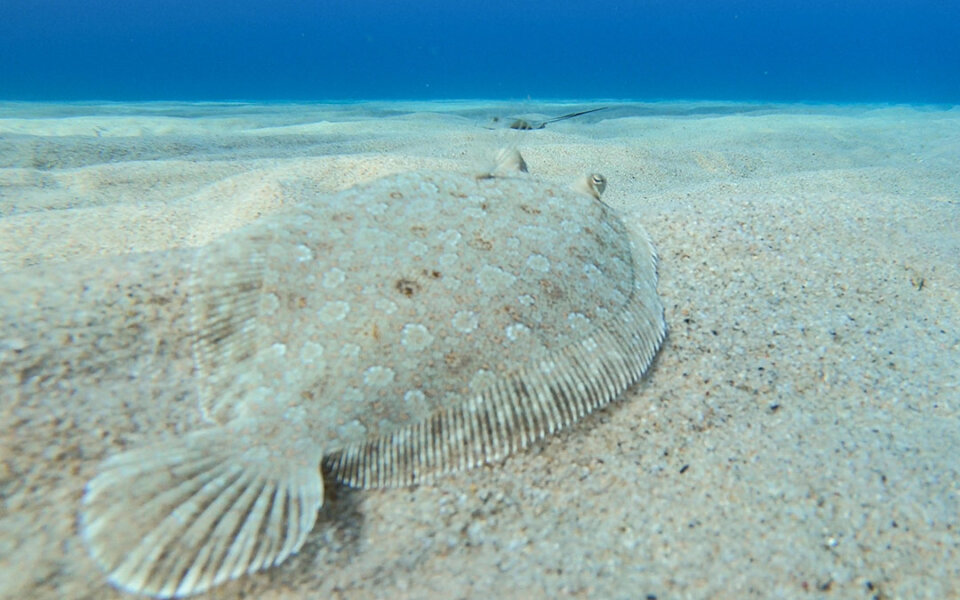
(895, 51)
(794, 165)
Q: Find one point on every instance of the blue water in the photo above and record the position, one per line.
(772, 50)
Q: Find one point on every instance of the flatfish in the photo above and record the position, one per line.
(413, 326)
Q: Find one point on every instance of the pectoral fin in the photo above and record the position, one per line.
(176, 519)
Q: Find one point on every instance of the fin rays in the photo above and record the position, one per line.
(175, 521)
(224, 319)
(533, 402)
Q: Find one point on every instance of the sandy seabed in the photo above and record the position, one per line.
(797, 436)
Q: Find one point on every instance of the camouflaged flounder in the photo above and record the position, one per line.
(416, 325)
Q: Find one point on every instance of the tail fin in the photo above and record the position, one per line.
(177, 519)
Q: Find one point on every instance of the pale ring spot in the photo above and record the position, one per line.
(386, 306)
(303, 253)
(269, 303)
(526, 300)
(481, 380)
(333, 311)
(578, 321)
(465, 321)
(333, 278)
(312, 353)
(417, 248)
(516, 331)
(538, 262)
(416, 337)
(378, 376)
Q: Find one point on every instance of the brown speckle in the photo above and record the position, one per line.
(407, 287)
(481, 244)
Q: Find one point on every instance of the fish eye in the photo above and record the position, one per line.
(599, 182)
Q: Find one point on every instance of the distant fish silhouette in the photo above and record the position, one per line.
(525, 125)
